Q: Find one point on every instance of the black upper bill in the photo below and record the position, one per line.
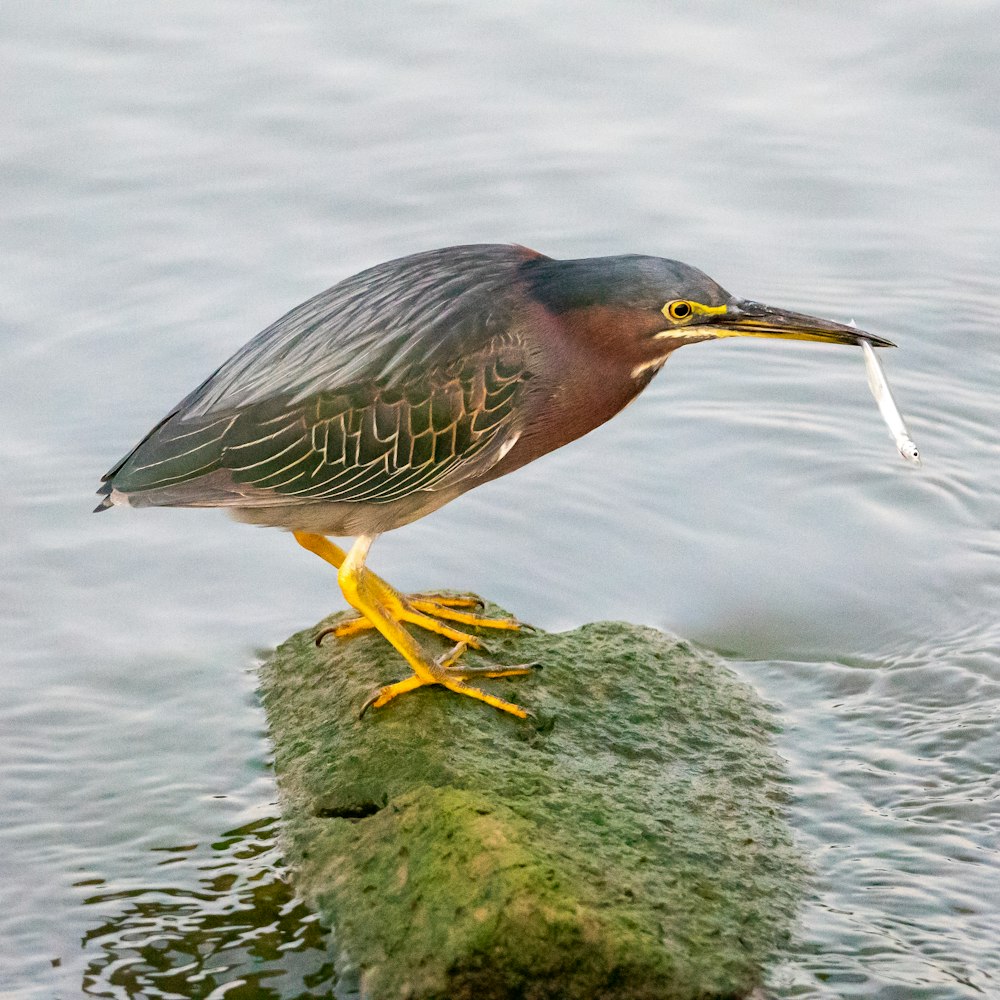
(744, 318)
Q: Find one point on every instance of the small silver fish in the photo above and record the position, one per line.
(887, 405)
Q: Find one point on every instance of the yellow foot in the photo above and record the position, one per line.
(424, 610)
(382, 607)
(452, 677)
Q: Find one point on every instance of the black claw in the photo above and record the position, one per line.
(525, 627)
(371, 700)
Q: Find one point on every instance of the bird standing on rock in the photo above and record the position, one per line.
(404, 386)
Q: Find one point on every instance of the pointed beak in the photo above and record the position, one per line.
(744, 318)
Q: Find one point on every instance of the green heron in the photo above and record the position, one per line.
(406, 385)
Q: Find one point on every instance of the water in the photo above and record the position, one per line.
(176, 176)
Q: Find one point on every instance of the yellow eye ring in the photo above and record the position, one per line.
(680, 309)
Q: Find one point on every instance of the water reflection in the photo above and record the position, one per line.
(233, 929)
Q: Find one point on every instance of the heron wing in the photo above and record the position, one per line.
(370, 443)
(399, 378)
(379, 326)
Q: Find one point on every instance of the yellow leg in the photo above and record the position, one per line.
(321, 546)
(416, 609)
(378, 603)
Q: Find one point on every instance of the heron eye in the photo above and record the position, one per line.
(680, 309)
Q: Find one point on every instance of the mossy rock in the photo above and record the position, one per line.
(626, 842)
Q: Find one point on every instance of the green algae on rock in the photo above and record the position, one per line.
(627, 842)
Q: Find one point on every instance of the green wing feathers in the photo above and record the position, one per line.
(371, 443)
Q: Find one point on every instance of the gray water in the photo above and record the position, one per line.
(175, 176)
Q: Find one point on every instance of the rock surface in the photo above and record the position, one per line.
(625, 843)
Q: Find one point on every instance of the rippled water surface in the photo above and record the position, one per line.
(175, 176)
